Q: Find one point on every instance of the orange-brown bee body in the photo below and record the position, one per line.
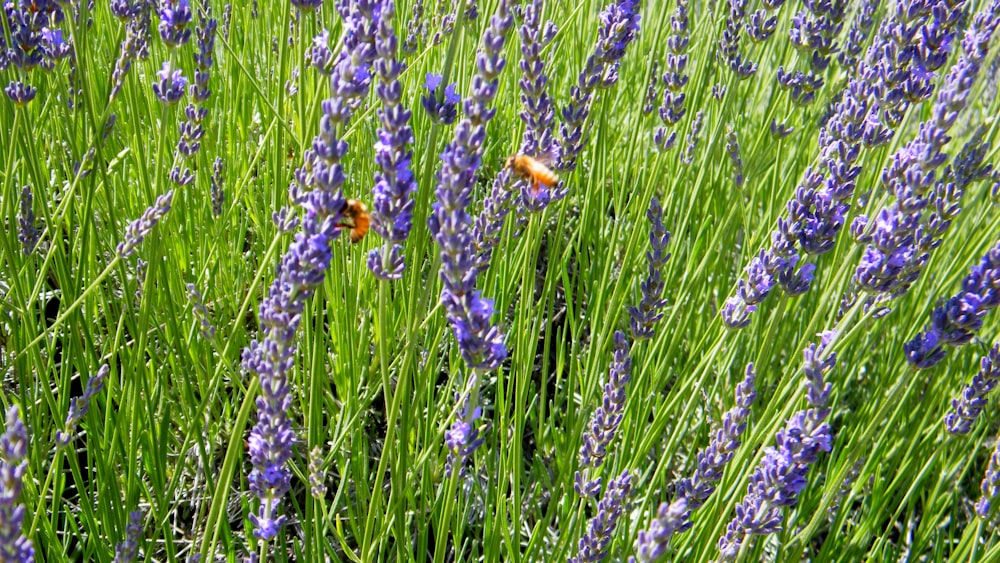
(356, 219)
(534, 170)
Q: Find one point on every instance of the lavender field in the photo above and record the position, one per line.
(499, 280)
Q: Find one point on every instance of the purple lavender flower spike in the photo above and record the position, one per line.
(692, 492)
(14, 546)
(733, 150)
(441, 108)
(170, 84)
(861, 28)
(956, 322)
(316, 189)
(594, 544)
(990, 484)
(761, 26)
(317, 476)
(480, 343)
(643, 317)
(605, 421)
(692, 138)
(218, 192)
(79, 406)
(649, 102)
(395, 184)
(27, 232)
(729, 45)
(619, 27)
(417, 27)
(675, 78)
(128, 549)
(965, 409)
(781, 475)
(904, 234)
(175, 15)
(489, 224)
(143, 226)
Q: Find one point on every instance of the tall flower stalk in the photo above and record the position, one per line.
(675, 78)
(302, 269)
(14, 546)
(481, 343)
(395, 185)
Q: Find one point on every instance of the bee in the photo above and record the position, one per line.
(536, 170)
(356, 219)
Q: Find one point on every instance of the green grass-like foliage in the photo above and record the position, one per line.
(377, 366)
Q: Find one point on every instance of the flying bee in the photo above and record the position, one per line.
(534, 169)
(356, 219)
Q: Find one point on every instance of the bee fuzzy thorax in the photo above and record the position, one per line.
(534, 170)
(355, 218)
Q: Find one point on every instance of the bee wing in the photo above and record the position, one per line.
(549, 157)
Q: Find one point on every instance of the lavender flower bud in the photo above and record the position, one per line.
(20, 93)
(718, 91)
(27, 233)
(692, 138)
(861, 28)
(651, 544)
(174, 15)
(441, 108)
(395, 185)
(780, 130)
(605, 420)
(169, 87)
(594, 543)
(417, 27)
(79, 406)
(14, 546)
(672, 108)
(733, 150)
(990, 484)
(965, 410)
(729, 45)
(648, 103)
(200, 312)
(142, 227)
(650, 309)
(218, 192)
(317, 476)
(127, 550)
(489, 224)
(181, 177)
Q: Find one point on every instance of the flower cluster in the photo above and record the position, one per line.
(593, 545)
(191, 130)
(675, 517)
(395, 185)
(33, 43)
(903, 235)
(218, 192)
(317, 476)
(302, 269)
(175, 15)
(672, 108)
(135, 46)
(990, 484)
(814, 31)
(650, 308)
(441, 107)
(480, 343)
(733, 150)
(417, 27)
(79, 406)
(170, 84)
(692, 138)
(143, 226)
(965, 410)
(200, 312)
(729, 45)
(128, 549)
(781, 475)
(857, 36)
(619, 27)
(961, 317)
(605, 421)
(14, 546)
(649, 102)
(27, 232)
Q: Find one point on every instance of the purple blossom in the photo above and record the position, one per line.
(965, 410)
(593, 545)
(733, 150)
(990, 484)
(692, 492)
(619, 27)
(170, 84)
(814, 32)
(317, 476)
(481, 343)
(675, 78)
(781, 475)
(395, 184)
(442, 108)
(605, 420)
(960, 318)
(649, 102)
(174, 15)
(780, 130)
(20, 93)
(417, 27)
(79, 406)
(302, 269)
(729, 45)
(143, 226)
(14, 546)
(650, 308)
(861, 28)
(128, 549)
(135, 46)
(692, 137)
(181, 176)
(27, 233)
(761, 26)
